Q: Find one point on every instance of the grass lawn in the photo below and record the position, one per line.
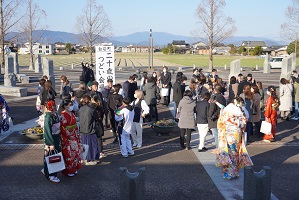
(180, 59)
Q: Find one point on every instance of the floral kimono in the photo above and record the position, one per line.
(232, 154)
(271, 115)
(70, 143)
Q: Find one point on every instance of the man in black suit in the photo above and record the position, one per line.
(166, 83)
(129, 88)
(213, 76)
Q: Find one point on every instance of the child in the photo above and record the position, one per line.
(126, 115)
(141, 109)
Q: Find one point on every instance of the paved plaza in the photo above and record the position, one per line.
(171, 173)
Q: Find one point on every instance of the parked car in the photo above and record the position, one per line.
(276, 62)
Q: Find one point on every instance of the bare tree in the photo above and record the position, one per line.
(30, 23)
(290, 29)
(9, 17)
(93, 26)
(214, 25)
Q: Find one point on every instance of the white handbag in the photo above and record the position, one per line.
(164, 92)
(266, 128)
(84, 151)
(56, 166)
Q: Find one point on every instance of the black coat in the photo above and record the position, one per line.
(129, 89)
(177, 92)
(133, 87)
(166, 79)
(202, 111)
(87, 118)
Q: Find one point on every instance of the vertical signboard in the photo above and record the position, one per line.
(104, 64)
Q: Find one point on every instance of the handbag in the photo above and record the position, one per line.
(245, 159)
(56, 164)
(164, 92)
(84, 151)
(266, 128)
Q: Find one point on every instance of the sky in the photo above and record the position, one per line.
(252, 17)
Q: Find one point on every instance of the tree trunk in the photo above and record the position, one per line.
(211, 37)
(90, 54)
(211, 60)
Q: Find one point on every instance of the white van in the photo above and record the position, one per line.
(276, 62)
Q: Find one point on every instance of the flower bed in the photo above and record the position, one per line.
(34, 133)
(164, 126)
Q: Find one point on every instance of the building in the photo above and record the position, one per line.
(198, 45)
(180, 46)
(253, 44)
(282, 51)
(221, 50)
(46, 49)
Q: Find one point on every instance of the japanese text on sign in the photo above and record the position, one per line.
(104, 64)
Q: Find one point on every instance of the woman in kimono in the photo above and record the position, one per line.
(51, 138)
(70, 140)
(271, 106)
(232, 154)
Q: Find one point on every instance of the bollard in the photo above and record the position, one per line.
(72, 66)
(256, 67)
(61, 68)
(241, 69)
(132, 185)
(194, 66)
(257, 185)
(225, 67)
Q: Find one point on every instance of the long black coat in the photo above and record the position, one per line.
(177, 92)
(166, 79)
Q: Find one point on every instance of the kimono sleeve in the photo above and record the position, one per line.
(48, 122)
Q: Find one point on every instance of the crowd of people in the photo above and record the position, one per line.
(84, 114)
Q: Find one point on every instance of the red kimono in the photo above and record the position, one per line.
(271, 115)
(70, 143)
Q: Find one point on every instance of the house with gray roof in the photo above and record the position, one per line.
(253, 44)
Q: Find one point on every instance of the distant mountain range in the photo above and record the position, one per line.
(140, 38)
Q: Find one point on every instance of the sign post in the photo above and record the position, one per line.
(104, 64)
